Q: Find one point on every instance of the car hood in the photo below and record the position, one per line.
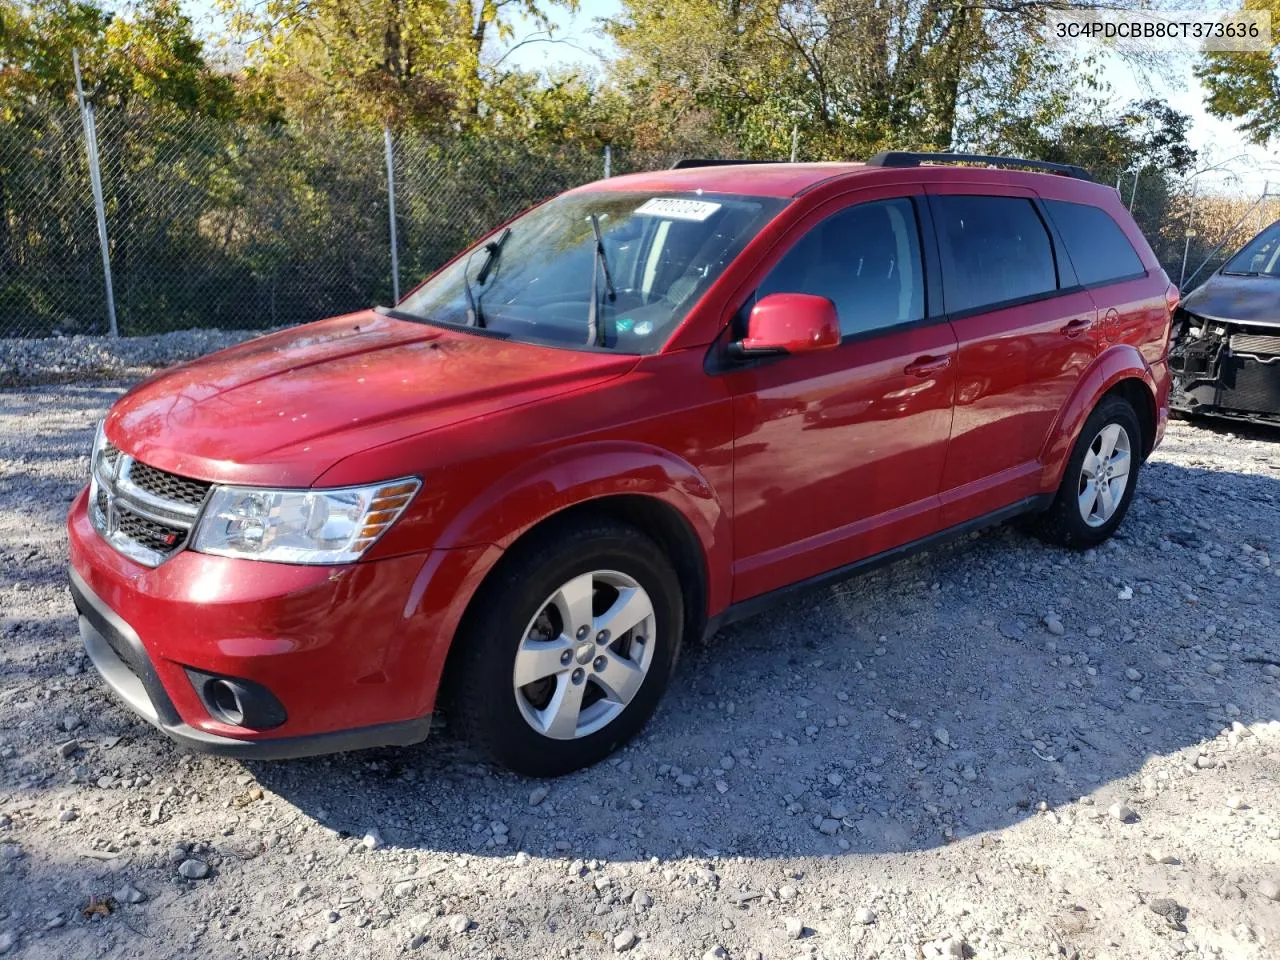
(1237, 300)
(284, 408)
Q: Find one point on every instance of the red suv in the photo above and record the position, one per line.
(640, 410)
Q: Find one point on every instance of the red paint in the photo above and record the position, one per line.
(792, 323)
(780, 469)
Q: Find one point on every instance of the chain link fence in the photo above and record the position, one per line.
(235, 225)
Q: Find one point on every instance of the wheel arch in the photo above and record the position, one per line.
(1120, 370)
(658, 518)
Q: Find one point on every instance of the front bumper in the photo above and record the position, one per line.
(120, 658)
(353, 654)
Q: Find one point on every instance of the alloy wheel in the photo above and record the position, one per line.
(584, 655)
(1104, 475)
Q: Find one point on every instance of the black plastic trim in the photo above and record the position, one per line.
(905, 158)
(124, 644)
(259, 708)
(689, 163)
(758, 604)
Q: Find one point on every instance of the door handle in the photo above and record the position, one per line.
(927, 366)
(1077, 326)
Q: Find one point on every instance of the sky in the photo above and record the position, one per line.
(1248, 170)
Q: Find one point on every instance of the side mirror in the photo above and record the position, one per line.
(784, 323)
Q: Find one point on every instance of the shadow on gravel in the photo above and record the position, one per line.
(899, 711)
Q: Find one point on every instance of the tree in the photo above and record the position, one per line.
(1245, 87)
(854, 76)
(418, 62)
(148, 52)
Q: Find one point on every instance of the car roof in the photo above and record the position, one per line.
(793, 179)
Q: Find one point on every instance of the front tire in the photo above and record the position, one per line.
(1098, 483)
(567, 649)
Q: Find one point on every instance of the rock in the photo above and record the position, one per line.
(864, 916)
(1171, 910)
(624, 941)
(787, 892)
(1132, 675)
(1214, 669)
(68, 748)
(372, 840)
(1123, 813)
(1135, 694)
(7, 941)
(458, 922)
(1269, 889)
(942, 736)
(66, 816)
(70, 722)
(686, 781)
(829, 826)
(10, 851)
(641, 900)
(794, 928)
(538, 794)
(1053, 625)
(193, 869)
(716, 953)
(1236, 802)
(1126, 593)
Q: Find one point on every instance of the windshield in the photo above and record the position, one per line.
(538, 279)
(1260, 256)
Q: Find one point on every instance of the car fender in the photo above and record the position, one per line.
(1117, 362)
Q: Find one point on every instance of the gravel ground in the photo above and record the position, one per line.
(61, 359)
(996, 749)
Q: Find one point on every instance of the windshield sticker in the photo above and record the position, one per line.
(677, 208)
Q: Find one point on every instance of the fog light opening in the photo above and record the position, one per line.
(225, 699)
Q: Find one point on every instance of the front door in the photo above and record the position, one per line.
(838, 455)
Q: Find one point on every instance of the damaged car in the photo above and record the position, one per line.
(1225, 357)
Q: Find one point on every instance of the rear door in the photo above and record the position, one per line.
(1026, 332)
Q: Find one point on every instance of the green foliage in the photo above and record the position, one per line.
(148, 53)
(1246, 86)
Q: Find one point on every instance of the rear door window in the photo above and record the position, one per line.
(1099, 250)
(995, 250)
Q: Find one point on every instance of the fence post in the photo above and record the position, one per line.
(1134, 196)
(391, 208)
(90, 125)
(1186, 245)
(795, 141)
(608, 161)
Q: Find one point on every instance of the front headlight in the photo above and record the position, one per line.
(300, 526)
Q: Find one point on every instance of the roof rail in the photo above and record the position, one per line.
(689, 163)
(903, 158)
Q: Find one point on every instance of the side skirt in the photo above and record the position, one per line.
(758, 604)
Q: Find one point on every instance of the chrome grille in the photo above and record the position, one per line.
(144, 512)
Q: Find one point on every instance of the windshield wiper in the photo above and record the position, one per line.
(599, 264)
(417, 318)
(493, 250)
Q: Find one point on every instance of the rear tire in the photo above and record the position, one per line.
(1100, 478)
(540, 682)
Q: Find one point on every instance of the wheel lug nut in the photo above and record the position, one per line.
(602, 636)
(566, 657)
(599, 663)
(583, 631)
(579, 675)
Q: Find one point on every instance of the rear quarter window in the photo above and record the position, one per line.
(1099, 250)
